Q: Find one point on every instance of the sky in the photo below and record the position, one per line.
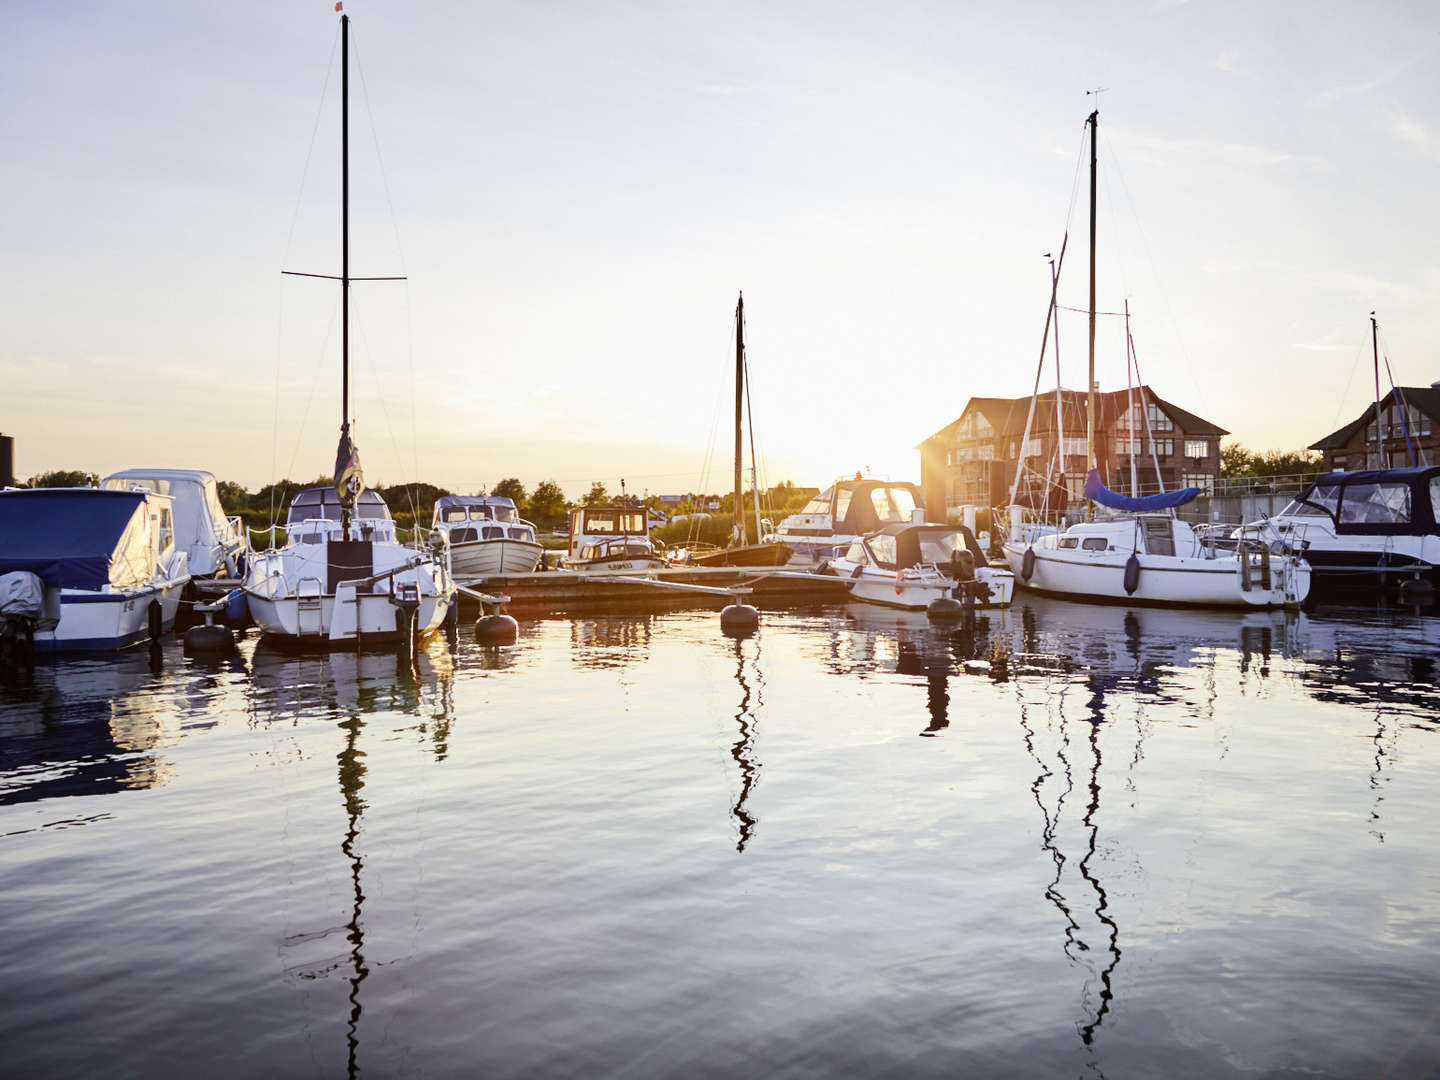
(577, 192)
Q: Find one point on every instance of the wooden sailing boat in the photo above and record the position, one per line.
(740, 551)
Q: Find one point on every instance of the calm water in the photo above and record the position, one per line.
(1068, 841)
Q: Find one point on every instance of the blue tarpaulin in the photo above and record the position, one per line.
(70, 537)
(1099, 493)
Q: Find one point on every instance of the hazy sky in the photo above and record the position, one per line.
(578, 191)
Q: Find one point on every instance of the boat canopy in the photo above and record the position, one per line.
(1098, 492)
(898, 547)
(323, 502)
(1375, 502)
(77, 538)
(201, 523)
(475, 507)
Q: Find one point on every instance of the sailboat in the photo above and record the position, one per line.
(343, 576)
(1141, 553)
(739, 551)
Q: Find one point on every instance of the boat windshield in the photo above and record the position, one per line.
(820, 504)
(315, 503)
(893, 505)
(1317, 501)
(1376, 504)
(882, 549)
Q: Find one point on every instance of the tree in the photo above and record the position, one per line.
(596, 496)
(547, 506)
(60, 478)
(233, 497)
(1238, 462)
(512, 489)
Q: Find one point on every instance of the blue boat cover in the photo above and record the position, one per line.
(1098, 492)
(71, 537)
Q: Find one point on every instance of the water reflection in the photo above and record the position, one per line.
(747, 674)
(84, 726)
(611, 641)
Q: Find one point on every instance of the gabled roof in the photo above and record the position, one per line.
(1424, 398)
(1007, 415)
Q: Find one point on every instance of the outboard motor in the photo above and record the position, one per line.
(26, 605)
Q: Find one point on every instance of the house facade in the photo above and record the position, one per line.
(974, 460)
(1409, 433)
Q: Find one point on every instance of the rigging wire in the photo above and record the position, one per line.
(285, 257)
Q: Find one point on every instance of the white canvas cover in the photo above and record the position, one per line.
(202, 529)
(21, 594)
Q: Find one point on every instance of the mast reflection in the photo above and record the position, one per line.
(352, 781)
(747, 674)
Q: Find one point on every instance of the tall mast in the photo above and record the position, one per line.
(1059, 388)
(739, 405)
(1130, 404)
(1381, 463)
(1094, 122)
(344, 221)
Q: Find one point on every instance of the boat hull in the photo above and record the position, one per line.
(365, 619)
(875, 586)
(104, 621)
(472, 560)
(1168, 580)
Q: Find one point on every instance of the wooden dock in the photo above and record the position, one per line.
(570, 590)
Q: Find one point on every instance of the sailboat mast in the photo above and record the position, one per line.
(1130, 404)
(739, 406)
(344, 221)
(1094, 122)
(1381, 463)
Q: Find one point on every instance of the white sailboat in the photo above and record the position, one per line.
(1140, 552)
(343, 576)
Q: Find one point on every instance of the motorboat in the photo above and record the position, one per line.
(487, 537)
(344, 577)
(1363, 531)
(911, 566)
(214, 541)
(611, 540)
(1143, 554)
(845, 511)
(87, 569)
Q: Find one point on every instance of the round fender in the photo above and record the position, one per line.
(155, 619)
(1027, 565)
(1132, 574)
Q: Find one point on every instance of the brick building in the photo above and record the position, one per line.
(972, 460)
(1410, 417)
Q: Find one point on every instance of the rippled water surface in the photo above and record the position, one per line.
(1063, 841)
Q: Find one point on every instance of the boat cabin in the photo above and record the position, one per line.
(315, 515)
(466, 518)
(900, 547)
(592, 524)
(1374, 502)
(214, 541)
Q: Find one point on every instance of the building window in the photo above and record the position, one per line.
(1204, 481)
(1032, 448)
(1196, 448)
(1158, 420)
(1162, 447)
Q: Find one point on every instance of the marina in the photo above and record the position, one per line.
(1054, 840)
(1085, 736)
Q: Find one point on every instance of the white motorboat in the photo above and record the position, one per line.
(611, 540)
(214, 541)
(911, 566)
(85, 569)
(845, 511)
(343, 576)
(487, 537)
(1366, 531)
(1146, 555)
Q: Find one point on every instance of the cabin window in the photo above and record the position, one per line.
(902, 504)
(1196, 448)
(493, 532)
(1070, 542)
(856, 554)
(842, 504)
(940, 547)
(459, 536)
(882, 547)
(519, 534)
(1376, 504)
(1095, 543)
